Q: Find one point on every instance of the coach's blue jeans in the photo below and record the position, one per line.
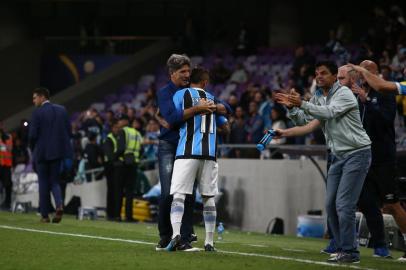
(345, 180)
(166, 159)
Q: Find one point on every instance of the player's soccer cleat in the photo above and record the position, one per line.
(162, 244)
(209, 248)
(382, 253)
(331, 248)
(402, 259)
(173, 244)
(343, 257)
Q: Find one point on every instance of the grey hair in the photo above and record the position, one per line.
(176, 62)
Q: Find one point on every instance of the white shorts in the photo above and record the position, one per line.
(185, 171)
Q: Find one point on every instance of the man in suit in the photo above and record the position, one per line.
(49, 138)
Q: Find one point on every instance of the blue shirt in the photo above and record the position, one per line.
(198, 133)
(169, 113)
(401, 87)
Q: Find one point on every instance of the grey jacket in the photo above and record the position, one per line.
(339, 116)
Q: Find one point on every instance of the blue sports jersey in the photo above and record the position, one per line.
(401, 88)
(197, 134)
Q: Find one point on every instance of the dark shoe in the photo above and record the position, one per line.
(131, 220)
(193, 238)
(382, 252)
(58, 215)
(162, 244)
(45, 220)
(331, 248)
(344, 257)
(209, 247)
(186, 246)
(174, 244)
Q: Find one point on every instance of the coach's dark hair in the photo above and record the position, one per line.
(199, 74)
(330, 65)
(176, 62)
(41, 91)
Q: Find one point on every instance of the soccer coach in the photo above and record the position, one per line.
(49, 137)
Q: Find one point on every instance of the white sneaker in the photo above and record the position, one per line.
(402, 259)
(333, 255)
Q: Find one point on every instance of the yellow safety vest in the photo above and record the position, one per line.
(114, 141)
(133, 141)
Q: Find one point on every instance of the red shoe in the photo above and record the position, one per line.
(58, 215)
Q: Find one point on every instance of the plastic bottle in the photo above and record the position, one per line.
(265, 140)
(220, 230)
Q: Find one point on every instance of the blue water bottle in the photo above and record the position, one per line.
(220, 230)
(265, 140)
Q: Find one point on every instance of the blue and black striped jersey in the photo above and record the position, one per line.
(197, 134)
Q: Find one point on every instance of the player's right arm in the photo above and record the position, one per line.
(380, 84)
(298, 131)
(203, 107)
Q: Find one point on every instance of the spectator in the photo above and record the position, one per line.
(219, 73)
(254, 128)
(92, 124)
(20, 153)
(150, 143)
(233, 101)
(6, 162)
(239, 75)
(122, 109)
(93, 153)
(131, 114)
(238, 134)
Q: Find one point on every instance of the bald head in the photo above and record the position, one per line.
(371, 66)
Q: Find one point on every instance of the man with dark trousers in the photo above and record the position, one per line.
(110, 150)
(128, 153)
(378, 111)
(170, 120)
(49, 137)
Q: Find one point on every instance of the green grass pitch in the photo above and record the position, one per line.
(27, 244)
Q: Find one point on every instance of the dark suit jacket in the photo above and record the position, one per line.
(50, 133)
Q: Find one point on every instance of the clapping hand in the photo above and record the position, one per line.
(290, 100)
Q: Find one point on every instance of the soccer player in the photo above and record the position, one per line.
(195, 158)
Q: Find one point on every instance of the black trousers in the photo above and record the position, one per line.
(125, 177)
(379, 183)
(5, 179)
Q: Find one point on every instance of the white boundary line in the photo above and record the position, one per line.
(150, 243)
